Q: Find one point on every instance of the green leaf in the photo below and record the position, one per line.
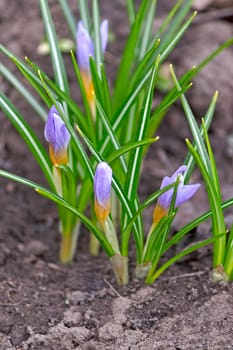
(145, 39)
(121, 195)
(16, 83)
(84, 12)
(122, 112)
(130, 146)
(68, 194)
(192, 124)
(69, 17)
(89, 126)
(164, 52)
(129, 54)
(29, 137)
(97, 37)
(213, 167)
(56, 57)
(76, 145)
(29, 75)
(185, 252)
(127, 229)
(110, 132)
(55, 198)
(136, 157)
(189, 161)
(192, 225)
(217, 217)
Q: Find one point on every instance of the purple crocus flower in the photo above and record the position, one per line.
(85, 45)
(102, 190)
(184, 193)
(85, 49)
(58, 137)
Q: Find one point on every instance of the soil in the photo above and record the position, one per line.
(45, 305)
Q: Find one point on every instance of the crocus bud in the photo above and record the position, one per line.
(85, 49)
(102, 190)
(58, 137)
(184, 193)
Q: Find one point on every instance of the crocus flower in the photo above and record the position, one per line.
(58, 137)
(102, 190)
(85, 49)
(184, 193)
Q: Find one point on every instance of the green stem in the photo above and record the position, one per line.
(120, 267)
(68, 245)
(94, 245)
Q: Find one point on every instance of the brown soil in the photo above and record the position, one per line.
(47, 306)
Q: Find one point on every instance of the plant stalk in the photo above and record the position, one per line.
(120, 267)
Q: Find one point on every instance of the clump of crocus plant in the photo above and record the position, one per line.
(85, 49)
(184, 193)
(58, 137)
(162, 208)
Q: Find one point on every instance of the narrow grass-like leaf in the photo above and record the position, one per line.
(68, 194)
(56, 57)
(122, 197)
(97, 38)
(140, 70)
(126, 232)
(129, 147)
(169, 47)
(69, 17)
(77, 114)
(16, 83)
(189, 161)
(89, 122)
(217, 217)
(29, 137)
(213, 166)
(29, 75)
(193, 224)
(131, 11)
(129, 54)
(85, 15)
(192, 124)
(182, 254)
(168, 19)
(228, 263)
(160, 111)
(135, 160)
(106, 92)
(77, 147)
(122, 112)
(107, 125)
(145, 39)
(175, 23)
(55, 198)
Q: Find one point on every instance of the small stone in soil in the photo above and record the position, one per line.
(110, 331)
(72, 317)
(119, 308)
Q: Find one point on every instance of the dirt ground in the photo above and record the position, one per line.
(47, 306)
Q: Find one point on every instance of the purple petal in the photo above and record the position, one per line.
(55, 131)
(165, 198)
(102, 183)
(85, 47)
(185, 192)
(180, 171)
(104, 35)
